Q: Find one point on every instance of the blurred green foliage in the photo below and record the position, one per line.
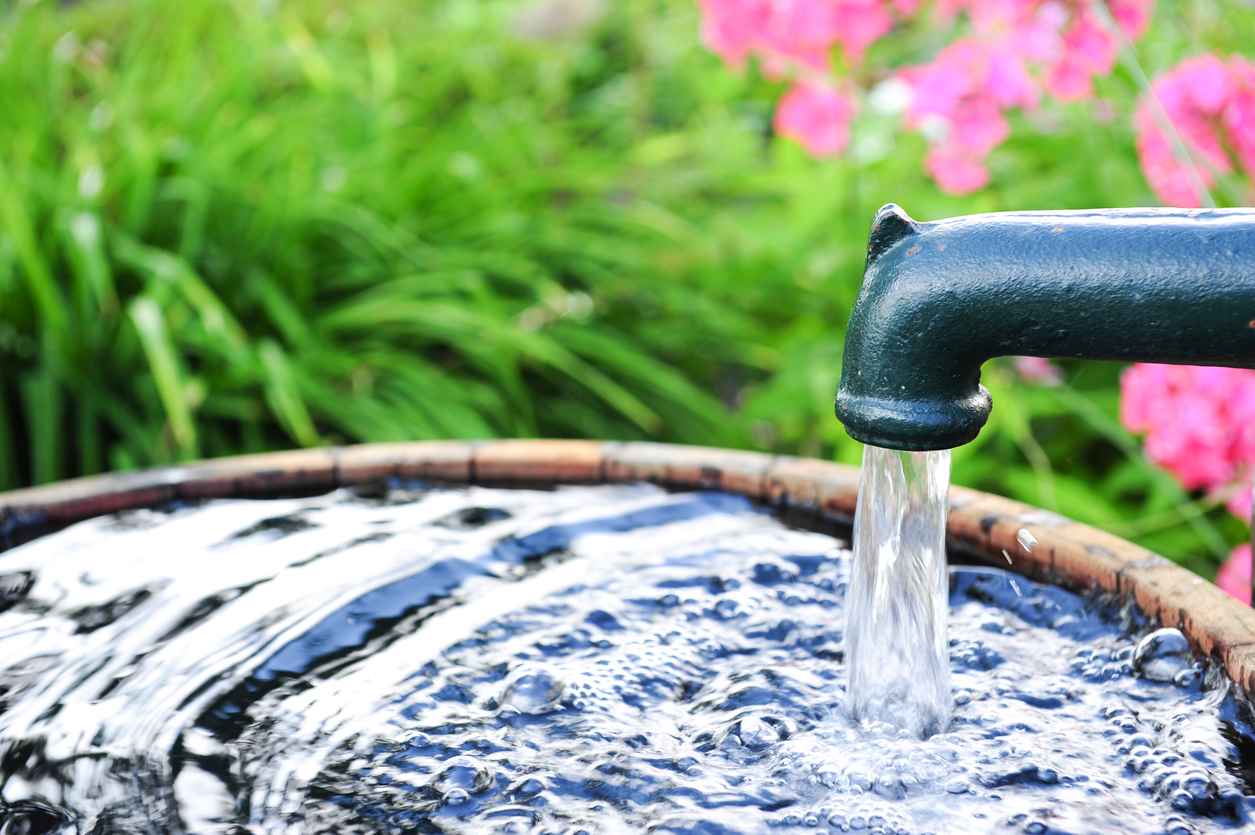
(236, 226)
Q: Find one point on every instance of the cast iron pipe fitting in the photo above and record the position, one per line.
(938, 299)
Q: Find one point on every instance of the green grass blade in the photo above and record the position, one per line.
(167, 373)
(284, 397)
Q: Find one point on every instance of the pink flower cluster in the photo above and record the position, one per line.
(1017, 50)
(1199, 422)
(795, 39)
(789, 33)
(818, 117)
(1200, 426)
(1210, 105)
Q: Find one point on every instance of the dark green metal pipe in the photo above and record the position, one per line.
(938, 299)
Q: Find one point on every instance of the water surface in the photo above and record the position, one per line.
(605, 659)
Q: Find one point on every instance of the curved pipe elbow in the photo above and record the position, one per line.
(939, 299)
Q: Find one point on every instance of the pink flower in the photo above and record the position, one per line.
(1008, 82)
(1240, 500)
(1038, 370)
(1069, 80)
(1013, 51)
(1088, 49)
(817, 117)
(800, 32)
(1018, 47)
(1199, 423)
(977, 126)
(955, 171)
(1132, 15)
(1238, 117)
(964, 91)
(732, 28)
(1234, 576)
(860, 24)
(793, 35)
(1210, 103)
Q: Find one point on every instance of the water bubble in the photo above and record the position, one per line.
(1188, 678)
(756, 733)
(1162, 655)
(465, 774)
(525, 789)
(531, 692)
(455, 797)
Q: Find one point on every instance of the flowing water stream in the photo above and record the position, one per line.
(896, 630)
(606, 659)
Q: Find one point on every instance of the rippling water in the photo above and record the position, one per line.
(606, 659)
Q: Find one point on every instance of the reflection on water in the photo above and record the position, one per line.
(598, 658)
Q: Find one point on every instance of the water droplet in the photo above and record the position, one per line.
(1162, 654)
(464, 774)
(756, 733)
(531, 692)
(890, 787)
(1026, 539)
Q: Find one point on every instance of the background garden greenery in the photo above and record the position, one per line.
(238, 226)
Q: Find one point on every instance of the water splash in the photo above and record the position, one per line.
(896, 628)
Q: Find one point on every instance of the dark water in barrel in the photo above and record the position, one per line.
(608, 659)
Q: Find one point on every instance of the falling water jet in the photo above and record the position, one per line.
(899, 668)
